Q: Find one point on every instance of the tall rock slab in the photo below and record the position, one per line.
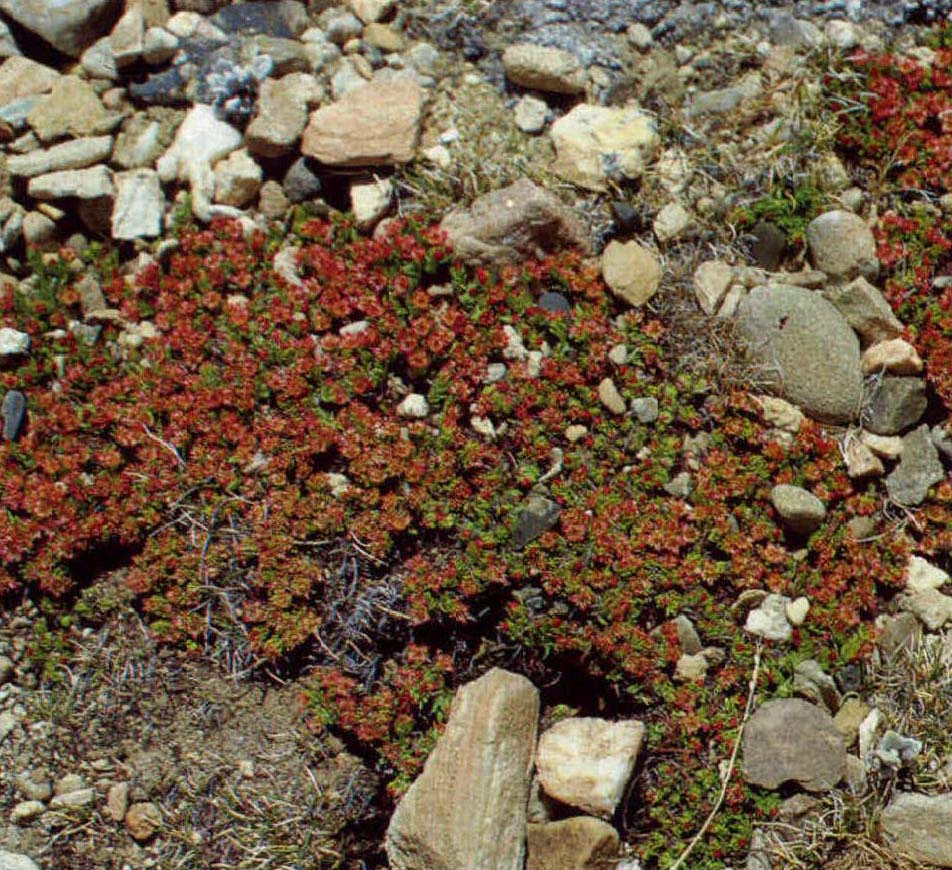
(467, 810)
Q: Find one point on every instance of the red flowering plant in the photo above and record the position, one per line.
(254, 467)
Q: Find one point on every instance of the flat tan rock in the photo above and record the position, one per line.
(377, 124)
(631, 271)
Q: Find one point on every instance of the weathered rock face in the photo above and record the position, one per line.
(377, 124)
(806, 350)
(580, 843)
(920, 826)
(790, 740)
(521, 220)
(467, 810)
(865, 310)
(586, 762)
(594, 143)
(918, 469)
(67, 25)
(842, 245)
(896, 404)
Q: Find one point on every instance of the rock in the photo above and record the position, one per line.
(68, 25)
(918, 469)
(143, 821)
(842, 245)
(789, 740)
(780, 414)
(384, 37)
(672, 222)
(6, 671)
(370, 202)
(931, 607)
(796, 611)
(139, 205)
(585, 763)
(724, 100)
(158, 46)
(21, 77)
(117, 801)
(898, 633)
(23, 812)
(631, 271)
(82, 797)
(690, 668)
(806, 349)
(38, 229)
(467, 810)
(13, 343)
(849, 717)
(272, 202)
(282, 114)
(921, 575)
(817, 686)
(72, 108)
(896, 404)
(13, 413)
(579, 843)
(801, 511)
(711, 280)
(609, 396)
(596, 143)
(544, 69)
(680, 486)
(865, 310)
(645, 409)
(201, 141)
(377, 124)
(531, 114)
(942, 438)
(237, 179)
(92, 183)
(127, 39)
(554, 302)
(75, 154)
(370, 11)
(885, 447)
(769, 618)
(301, 181)
(97, 61)
(510, 224)
(144, 137)
(919, 826)
(16, 861)
(575, 433)
(768, 243)
(895, 356)
(537, 516)
(414, 405)
(861, 461)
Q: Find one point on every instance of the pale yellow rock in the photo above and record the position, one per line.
(895, 356)
(861, 461)
(780, 413)
(631, 271)
(884, 446)
(711, 282)
(610, 397)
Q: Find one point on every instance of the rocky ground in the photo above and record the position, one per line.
(687, 151)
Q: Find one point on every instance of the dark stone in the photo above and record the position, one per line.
(285, 19)
(13, 411)
(849, 678)
(919, 469)
(897, 404)
(538, 516)
(166, 88)
(767, 245)
(554, 302)
(301, 182)
(626, 217)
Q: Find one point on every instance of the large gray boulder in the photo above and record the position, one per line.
(68, 25)
(467, 810)
(805, 350)
(789, 740)
(920, 826)
(842, 245)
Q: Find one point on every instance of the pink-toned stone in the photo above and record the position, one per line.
(896, 357)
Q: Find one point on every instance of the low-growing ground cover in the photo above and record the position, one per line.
(277, 509)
